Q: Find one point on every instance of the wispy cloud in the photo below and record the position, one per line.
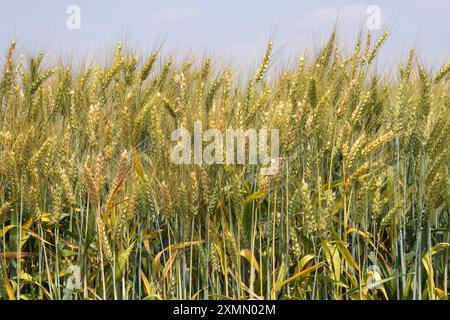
(171, 14)
(349, 15)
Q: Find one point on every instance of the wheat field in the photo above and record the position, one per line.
(92, 207)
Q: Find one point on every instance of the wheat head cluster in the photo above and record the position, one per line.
(92, 207)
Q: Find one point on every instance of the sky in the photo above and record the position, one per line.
(235, 31)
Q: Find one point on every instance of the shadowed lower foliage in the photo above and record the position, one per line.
(358, 210)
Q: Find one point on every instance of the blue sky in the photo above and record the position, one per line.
(232, 30)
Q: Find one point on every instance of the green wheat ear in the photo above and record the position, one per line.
(87, 179)
(443, 72)
(372, 54)
(260, 73)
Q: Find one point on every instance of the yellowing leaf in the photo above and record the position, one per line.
(301, 274)
(157, 261)
(247, 254)
(347, 255)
